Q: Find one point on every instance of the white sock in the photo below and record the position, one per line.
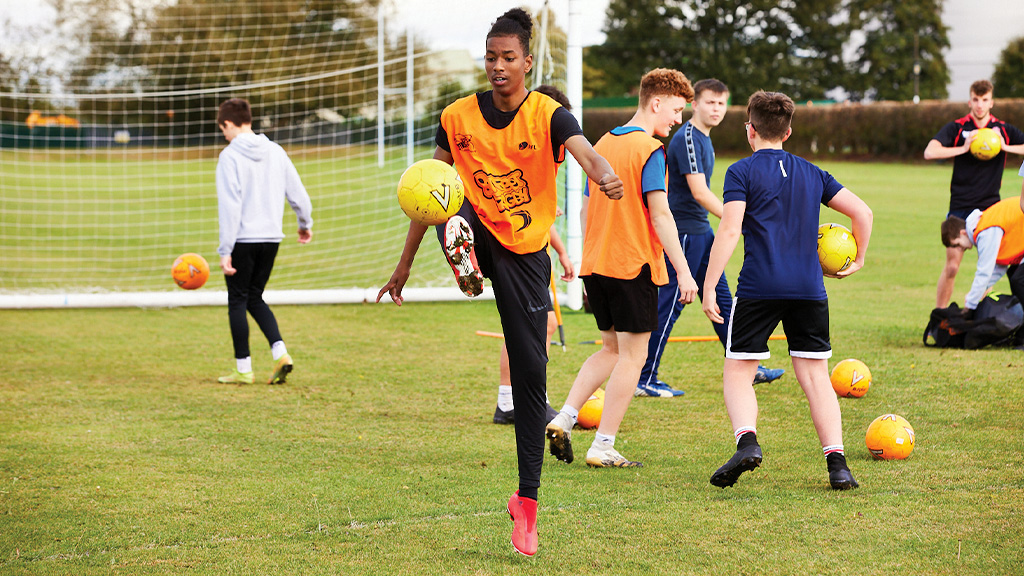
(505, 398)
(277, 350)
(741, 431)
(571, 412)
(604, 440)
(833, 449)
(244, 365)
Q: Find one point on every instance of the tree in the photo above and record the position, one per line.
(640, 35)
(748, 44)
(288, 57)
(897, 35)
(1009, 74)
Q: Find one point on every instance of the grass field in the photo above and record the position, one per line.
(118, 453)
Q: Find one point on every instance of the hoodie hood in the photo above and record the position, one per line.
(252, 146)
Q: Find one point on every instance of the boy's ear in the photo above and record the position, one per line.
(789, 132)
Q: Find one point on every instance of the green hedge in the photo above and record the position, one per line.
(880, 131)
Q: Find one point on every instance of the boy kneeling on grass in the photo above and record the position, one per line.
(772, 198)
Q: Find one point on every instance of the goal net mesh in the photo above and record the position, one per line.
(108, 149)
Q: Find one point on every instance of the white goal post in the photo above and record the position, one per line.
(107, 169)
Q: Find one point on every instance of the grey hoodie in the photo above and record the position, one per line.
(254, 177)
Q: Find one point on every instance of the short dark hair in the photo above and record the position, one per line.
(664, 82)
(555, 94)
(516, 22)
(234, 110)
(951, 229)
(713, 85)
(771, 113)
(981, 87)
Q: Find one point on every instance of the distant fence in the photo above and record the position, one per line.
(883, 130)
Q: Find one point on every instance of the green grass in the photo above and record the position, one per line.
(118, 453)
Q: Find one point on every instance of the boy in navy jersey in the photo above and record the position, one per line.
(691, 161)
(772, 198)
(975, 183)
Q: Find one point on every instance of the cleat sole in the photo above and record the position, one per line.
(561, 443)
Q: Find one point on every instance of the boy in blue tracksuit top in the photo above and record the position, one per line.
(773, 199)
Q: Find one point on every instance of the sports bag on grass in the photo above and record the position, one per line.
(995, 321)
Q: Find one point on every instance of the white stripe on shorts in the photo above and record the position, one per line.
(728, 343)
(812, 355)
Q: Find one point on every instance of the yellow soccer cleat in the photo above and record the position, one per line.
(281, 371)
(237, 377)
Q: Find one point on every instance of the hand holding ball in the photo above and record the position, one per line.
(986, 144)
(837, 248)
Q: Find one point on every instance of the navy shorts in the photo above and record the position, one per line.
(805, 323)
(623, 305)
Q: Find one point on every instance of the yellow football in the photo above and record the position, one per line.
(890, 437)
(430, 192)
(590, 413)
(850, 378)
(837, 248)
(190, 271)
(986, 144)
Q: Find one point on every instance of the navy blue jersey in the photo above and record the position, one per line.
(689, 152)
(780, 226)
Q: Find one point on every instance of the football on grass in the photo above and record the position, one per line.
(837, 248)
(890, 437)
(190, 271)
(430, 192)
(590, 413)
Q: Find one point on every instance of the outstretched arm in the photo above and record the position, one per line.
(412, 243)
(861, 217)
(596, 167)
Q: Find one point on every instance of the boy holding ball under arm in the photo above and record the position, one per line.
(772, 198)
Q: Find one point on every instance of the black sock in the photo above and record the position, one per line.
(836, 461)
(747, 439)
(530, 493)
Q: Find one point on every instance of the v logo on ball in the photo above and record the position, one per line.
(443, 199)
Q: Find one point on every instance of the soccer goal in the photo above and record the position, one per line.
(107, 169)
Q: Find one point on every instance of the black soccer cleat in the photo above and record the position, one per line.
(839, 475)
(744, 460)
(504, 416)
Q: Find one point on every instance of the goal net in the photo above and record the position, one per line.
(108, 144)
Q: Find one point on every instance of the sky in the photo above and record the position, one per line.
(464, 24)
(979, 29)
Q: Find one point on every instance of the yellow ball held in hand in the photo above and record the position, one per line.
(430, 192)
(837, 248)
(986, 144)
